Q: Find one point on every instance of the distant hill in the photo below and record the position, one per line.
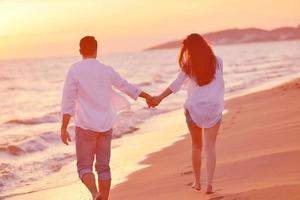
(237, 36)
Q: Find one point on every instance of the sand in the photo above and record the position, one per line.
(258, 156)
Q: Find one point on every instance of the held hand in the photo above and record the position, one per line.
(149, 99)
(155, 101)
(65, 136)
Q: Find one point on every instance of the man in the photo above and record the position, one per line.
(88, 96)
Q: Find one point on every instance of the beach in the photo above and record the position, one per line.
(258, 155)
(88, 71)
(32, 157)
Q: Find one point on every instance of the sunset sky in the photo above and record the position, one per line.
(38, 28)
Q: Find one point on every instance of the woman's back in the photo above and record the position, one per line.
(211, 92)
(205, 101)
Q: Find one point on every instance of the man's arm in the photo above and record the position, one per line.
(64, 134)
(134, 92)
(68, 105)
(65, 121)
(121, 84)
(147, 97)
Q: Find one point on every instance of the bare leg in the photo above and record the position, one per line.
(89, 181)
(104, 188)
(210, 136)
(196, 135)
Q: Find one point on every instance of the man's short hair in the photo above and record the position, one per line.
(88, 45)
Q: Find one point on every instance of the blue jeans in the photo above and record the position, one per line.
(91, 144)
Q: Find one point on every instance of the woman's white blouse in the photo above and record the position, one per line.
(204, 103)
(88, 95)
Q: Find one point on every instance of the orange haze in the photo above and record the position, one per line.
(35, 28)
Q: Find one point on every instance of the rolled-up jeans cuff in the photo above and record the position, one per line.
(104, 176)
(83, 172)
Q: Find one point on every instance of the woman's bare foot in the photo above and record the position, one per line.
(209, 189)
(196, 185)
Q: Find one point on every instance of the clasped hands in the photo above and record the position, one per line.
(153, 101)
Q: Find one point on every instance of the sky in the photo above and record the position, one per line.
(41, 28)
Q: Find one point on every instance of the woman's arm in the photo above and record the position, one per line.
(157, 99)
(173, 88)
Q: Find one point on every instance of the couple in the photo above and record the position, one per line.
(89, 97)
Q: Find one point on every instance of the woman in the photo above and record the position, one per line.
(203, 72)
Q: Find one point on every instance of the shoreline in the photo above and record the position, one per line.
(151, 159)
(266, 86)
(122, 167)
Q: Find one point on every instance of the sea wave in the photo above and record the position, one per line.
(21, 175)
(37, 143)
(127, 122)
(48, 118)
(3, 78)
(6, 173)
(142, 84)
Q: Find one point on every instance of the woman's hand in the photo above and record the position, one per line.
(149, 100)
(147, 97)
(155, 101)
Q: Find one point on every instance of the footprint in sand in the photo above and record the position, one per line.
(231, 123)
(189, 184)
(235, 115)
(187, 173)
(216, 198)
(228, 124)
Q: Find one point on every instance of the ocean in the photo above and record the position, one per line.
(31, 89)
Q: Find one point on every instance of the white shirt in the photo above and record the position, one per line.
(88, 95)
(204, 103)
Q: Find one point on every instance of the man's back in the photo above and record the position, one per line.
(94, 83)
(88, 94)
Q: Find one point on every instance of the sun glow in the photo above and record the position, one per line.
(53, 27)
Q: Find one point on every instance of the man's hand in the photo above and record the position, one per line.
(149, 101)
(155, 101)
(65, 136)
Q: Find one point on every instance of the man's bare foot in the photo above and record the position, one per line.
(209, 189)
(97, 196)
(197, 186)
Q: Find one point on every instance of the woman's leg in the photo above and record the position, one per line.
(210, 136)
(196, 135)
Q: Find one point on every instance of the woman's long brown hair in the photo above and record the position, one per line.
(197, 59)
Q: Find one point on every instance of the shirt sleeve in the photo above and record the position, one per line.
(122, 85)
(68, 104)
(178, 82)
